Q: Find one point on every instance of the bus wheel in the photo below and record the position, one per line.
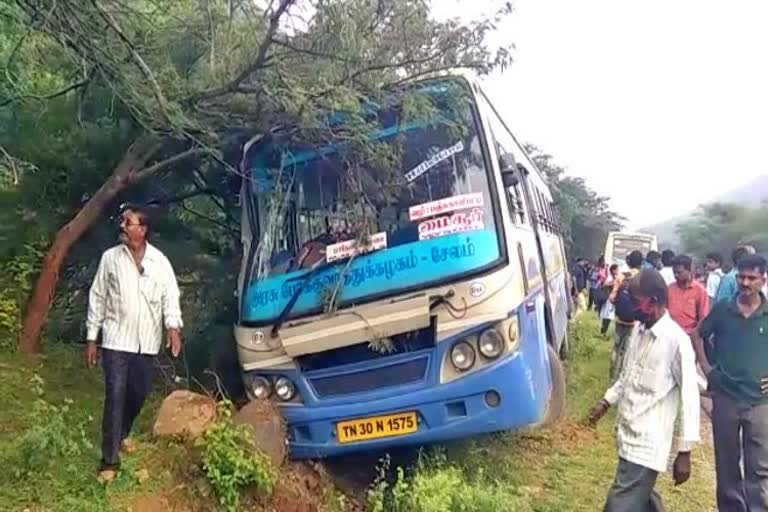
(556, 405)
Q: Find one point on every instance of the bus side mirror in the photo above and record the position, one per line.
(508, 170)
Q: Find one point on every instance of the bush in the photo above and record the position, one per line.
(436, 487)
(231, 461)
(57, 434)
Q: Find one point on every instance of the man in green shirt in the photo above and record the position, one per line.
(737, 370)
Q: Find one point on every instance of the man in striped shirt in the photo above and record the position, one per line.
(657, 380)
(134, 294)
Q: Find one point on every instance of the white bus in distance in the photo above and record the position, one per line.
(620, 244)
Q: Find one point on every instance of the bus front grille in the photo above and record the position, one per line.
(397, 374)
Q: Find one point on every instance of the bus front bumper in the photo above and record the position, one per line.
(500, 397)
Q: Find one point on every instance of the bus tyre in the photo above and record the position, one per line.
(556, 404)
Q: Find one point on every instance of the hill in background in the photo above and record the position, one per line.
(752, 194)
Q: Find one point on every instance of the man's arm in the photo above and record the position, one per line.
(704, 330)
(686, 377)
(616, 286)
(172, 311)
(688, 420)
(171, 307)
(616, 391)
(702, 306)
(96, 308)
(97, 301)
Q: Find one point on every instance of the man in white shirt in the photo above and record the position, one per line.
(714, 263)
(667, 272)
(658, 379)
(133, 295)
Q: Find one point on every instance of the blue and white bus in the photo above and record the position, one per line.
(448, 320)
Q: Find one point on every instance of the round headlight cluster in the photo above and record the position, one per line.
(284, 389)
(262, 388)
(463, 356)
(490, 344)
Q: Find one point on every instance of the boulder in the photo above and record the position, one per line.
(184, 414)
(268, 427)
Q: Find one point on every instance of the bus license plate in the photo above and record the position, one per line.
(377, 427)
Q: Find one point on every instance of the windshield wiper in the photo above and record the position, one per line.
(299, 290)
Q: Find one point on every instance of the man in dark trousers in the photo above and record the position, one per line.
(657, 385)
(737, 371)
(133, 296)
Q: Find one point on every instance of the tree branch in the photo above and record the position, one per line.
(258, 62)
(62, 92)
(159, 96)
(182, 197)
(168, 162)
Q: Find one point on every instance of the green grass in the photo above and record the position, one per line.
(569, 467)
(50, 413)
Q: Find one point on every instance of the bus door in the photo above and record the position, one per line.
(523, 176)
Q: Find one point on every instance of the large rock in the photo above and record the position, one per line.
(184, 414)
(269, 434)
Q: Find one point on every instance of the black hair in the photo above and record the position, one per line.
(613, 267)
(683, 260)
(739, 253)
(601, 260)
(650, 284)
(752, 262)
(667, 256)
(653, 257)
(145, 213)
(635, 259)
(715, 256)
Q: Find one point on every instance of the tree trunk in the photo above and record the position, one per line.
(124, 175)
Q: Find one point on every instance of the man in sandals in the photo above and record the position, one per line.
(133, 296)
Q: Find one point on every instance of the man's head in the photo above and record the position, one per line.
(635, 259)
(649, 296)
(751, 275)
(714, 261)
(667, 257)
(134, 225)
(601, 261)
(654, 259)
(740, 252)
(682, 266)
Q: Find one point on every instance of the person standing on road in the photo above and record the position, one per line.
(688, 300)
(608, 311)
(597, 275)
(728, 286)
(134, 294)
(737, 371)
(657, 386)
(652, 261)
(667, 257)
(624, 324)
(714, 265)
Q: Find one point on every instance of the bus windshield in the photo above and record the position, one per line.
(372, 236)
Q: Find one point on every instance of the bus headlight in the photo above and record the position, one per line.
(463, 356)
(261, 388)
(491, 343)
(285, 389)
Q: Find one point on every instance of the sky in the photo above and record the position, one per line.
(660, 105)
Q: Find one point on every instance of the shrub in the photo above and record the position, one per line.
(232, 463)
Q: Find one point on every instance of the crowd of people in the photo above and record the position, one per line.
(682, 335)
